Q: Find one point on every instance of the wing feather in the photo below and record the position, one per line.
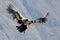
(41, 20)
(38, 20)
(14, 13)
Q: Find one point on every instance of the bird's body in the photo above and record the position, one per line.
(22, 20)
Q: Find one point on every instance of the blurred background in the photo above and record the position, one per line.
(31, 9)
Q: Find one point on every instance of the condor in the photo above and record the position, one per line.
(22, 20)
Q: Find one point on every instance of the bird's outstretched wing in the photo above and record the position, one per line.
(14, 13)
(41, 20)
(38, 20)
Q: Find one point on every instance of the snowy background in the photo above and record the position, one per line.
(31, 9)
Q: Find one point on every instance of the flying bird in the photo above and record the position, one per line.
(22, 20)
